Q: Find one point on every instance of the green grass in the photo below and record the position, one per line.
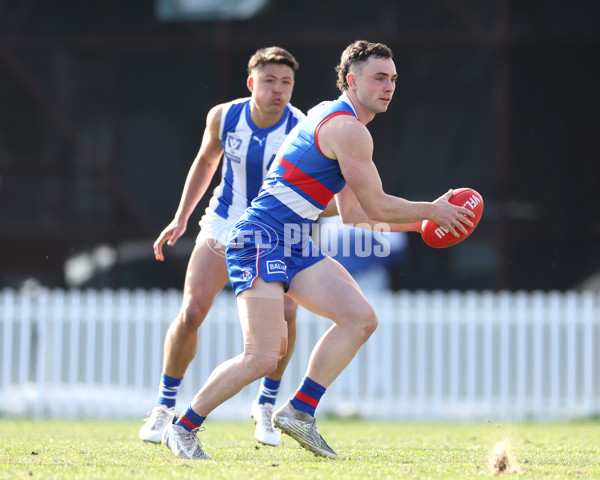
(368, 450)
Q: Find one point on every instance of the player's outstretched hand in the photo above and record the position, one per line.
(169, 235)
(436, 235)
(452, 217)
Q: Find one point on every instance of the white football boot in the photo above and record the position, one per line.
(264, 432)
(159, 418)
(302, 427)
(183, 443)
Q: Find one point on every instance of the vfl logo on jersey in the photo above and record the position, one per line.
(233, 147)
(276, 266)
(471, 203)
(246, 273)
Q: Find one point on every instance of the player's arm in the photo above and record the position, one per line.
(354, 215)
(348, 141)
(197, 182)
(331, 209)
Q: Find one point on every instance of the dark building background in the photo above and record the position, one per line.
(102, 109)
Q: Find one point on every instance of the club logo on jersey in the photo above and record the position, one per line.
(233, 147)
(276, 266)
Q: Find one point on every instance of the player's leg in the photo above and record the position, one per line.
(265, 342)
(205, 277)
(262, 407)
(326, 289)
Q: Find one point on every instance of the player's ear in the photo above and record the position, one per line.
(250, 83)
(351, 79)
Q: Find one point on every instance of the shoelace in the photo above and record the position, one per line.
(189, 440)
(315, 430)
(316, 435)
(265, 421)
(159, 417)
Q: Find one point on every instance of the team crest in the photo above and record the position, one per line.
(233, 147)
(246, 273)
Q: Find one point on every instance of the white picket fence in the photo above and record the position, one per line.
(434, 356)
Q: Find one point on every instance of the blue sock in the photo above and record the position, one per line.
(167, 391)
(267, 391)
(307, 397)
(190, 419)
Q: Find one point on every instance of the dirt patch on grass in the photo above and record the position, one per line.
(502, 460)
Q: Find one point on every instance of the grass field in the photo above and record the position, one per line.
(368, 450)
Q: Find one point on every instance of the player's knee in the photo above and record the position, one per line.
(371, 322)
(368, 323)
(290, 308)
(192, 314)
(260, 365)
(290, 316)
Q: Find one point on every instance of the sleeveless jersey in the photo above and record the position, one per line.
(302, 180)
(248, 154)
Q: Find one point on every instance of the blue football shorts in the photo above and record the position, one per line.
(255, 249)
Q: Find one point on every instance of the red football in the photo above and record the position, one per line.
(438, 237)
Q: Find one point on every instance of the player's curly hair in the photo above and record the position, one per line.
(356, 52)
(266, 55)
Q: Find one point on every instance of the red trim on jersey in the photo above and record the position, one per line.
(331, 115)
(303, 397)
(309, 185)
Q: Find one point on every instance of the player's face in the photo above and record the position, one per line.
(375, 84)
(272, 87)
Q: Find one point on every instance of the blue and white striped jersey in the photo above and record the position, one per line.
(248, 154)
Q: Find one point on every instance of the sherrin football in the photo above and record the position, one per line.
(439, 237)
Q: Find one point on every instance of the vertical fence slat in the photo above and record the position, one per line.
(58, 314)
(505, 358)
(455, 351)
(405, 306)
(90, 318)
(436, 322)
(539, 314)
(489, 321)
(590, 317)
(41, 315)
(473, 363)
(140, 313)
(555, 354)
(24, 321)
(573, 369)
(7, 321)
(107, 319)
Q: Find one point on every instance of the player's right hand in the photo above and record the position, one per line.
(169, 235)
(452, 217)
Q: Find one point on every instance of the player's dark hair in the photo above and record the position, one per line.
(359, 51)
(264, 56)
